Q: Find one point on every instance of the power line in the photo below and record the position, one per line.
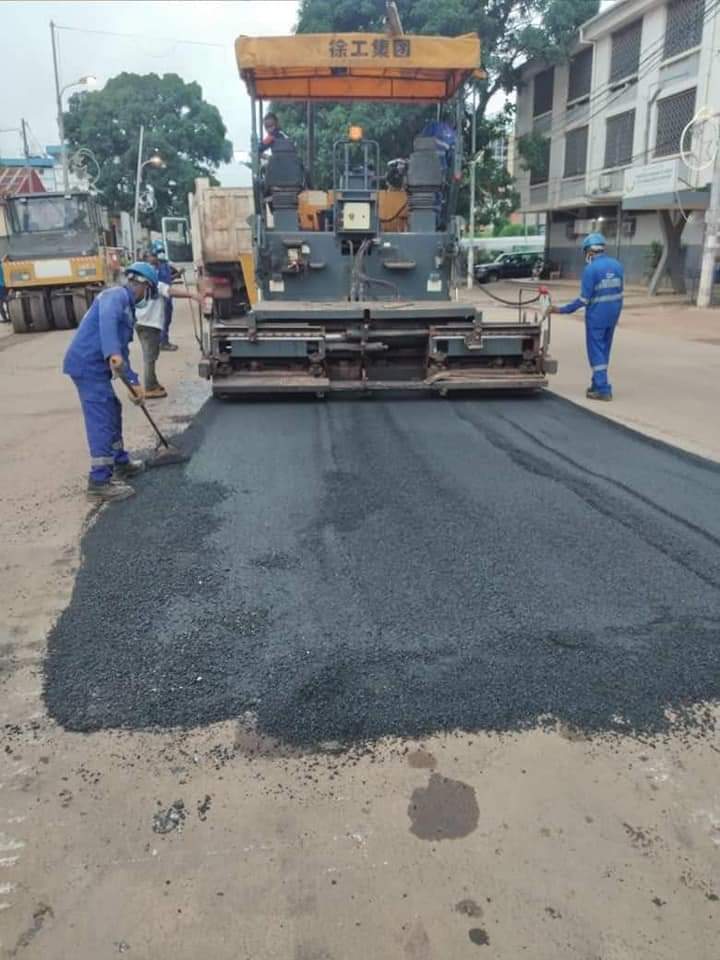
(142, 36)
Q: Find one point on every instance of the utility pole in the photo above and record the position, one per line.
(61, 122)
(712, 238)
(138, 178)
(26, 154)
(471, 250)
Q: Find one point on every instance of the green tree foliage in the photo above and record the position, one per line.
(187, 132)
(511, 32)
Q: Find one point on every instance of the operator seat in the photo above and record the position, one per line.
(284, 175)
(425, 185)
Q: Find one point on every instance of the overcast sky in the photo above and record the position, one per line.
(26, 74)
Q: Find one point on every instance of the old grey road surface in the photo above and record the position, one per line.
(349, 570)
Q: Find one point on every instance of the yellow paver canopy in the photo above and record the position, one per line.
(357, 66)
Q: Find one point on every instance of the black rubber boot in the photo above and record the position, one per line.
(595, 395)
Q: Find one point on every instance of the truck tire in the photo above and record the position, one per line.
(61, 312)
(79, 306)
(17, 315)
(39, 310)
(29, 314)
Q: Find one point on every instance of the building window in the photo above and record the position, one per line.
(625, 57)
(619, 139)
(543, 89)
(673, 115)
(540, 171)
(580, 75)
(576, 142)
(684, 26)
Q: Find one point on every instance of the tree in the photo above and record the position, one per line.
(511, 32)
(186, 132)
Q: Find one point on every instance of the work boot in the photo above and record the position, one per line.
(108, 490)
(169, 346)
(156, 393)
(596, 395)
(131, 468)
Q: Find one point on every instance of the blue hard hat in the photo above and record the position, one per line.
(145, 271)
(157, 246)
(593, 240)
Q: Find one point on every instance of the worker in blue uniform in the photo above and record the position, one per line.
(601, 294)
(99, 349)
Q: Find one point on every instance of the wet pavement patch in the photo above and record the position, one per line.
(444, 810)
(349, 571)
(479, 937)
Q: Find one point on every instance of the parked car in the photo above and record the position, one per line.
(509, 266)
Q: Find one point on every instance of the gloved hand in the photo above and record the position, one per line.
(138, 394)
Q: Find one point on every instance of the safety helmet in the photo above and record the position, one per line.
(157, 246)
(593, 240)
(142, 271)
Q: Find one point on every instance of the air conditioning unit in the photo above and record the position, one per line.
(605, 183)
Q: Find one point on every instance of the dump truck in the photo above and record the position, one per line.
(222, 246)
(357, 284)
(57, 260)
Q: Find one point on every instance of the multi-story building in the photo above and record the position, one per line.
(607, 129)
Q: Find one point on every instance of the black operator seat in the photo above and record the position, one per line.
(425, 169)
(284, 173)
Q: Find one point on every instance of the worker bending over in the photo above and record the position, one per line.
(601, 293)
(99, 349)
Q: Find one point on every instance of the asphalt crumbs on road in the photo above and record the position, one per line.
(353, 569)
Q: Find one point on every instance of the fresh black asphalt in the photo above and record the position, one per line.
(359, 568)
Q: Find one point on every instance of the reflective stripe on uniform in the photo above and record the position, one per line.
(583, 300)
(606, 298)
(598, 367)
(101, 461)
(608, 282)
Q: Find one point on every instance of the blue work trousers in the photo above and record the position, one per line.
(102, 412)
(598, 339)
(167, 321)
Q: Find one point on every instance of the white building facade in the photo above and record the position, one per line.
(607, 129)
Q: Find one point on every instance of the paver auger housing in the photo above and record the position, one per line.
(356, 283)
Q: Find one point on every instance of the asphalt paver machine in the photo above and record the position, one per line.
(357, 284)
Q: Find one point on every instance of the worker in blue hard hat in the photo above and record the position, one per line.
(100, 349)
(601, 293)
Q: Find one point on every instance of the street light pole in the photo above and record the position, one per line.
(60, 121)
(138, 178)
(712, 239)
(471, 251)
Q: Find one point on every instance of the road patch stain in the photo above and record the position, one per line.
(469, 908)
(41, 914)
(479, 937)
(422, 760)
(444, 810)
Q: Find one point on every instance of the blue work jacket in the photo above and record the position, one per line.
(106, 329)
(601, 292)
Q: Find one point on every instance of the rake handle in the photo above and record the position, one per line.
(120, 373)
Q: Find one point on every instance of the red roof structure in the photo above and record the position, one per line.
(17, 180)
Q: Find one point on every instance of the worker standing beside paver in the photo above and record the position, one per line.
(99, 348)
(601, 293)
(150, 324)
